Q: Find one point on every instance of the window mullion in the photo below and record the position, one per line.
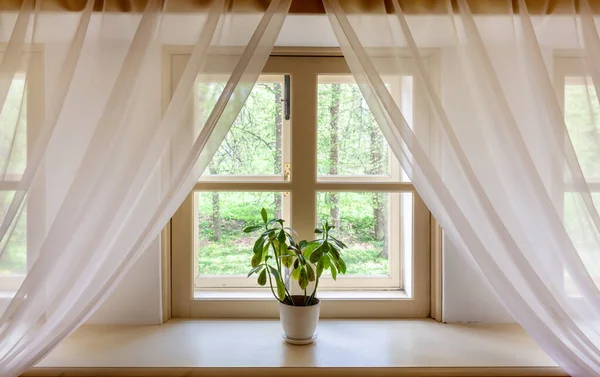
(303, 155)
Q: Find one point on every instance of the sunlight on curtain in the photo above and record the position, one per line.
(93, 161)
(510, 176)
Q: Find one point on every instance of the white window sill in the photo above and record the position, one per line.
(266, 294)
(255, 347)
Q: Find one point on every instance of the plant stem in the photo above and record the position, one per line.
(313, 294)
(271, 284)
(281, 273)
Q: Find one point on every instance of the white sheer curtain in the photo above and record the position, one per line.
(93, 160)
(510, 181)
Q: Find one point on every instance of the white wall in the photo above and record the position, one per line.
(466, 294)
(137, 298)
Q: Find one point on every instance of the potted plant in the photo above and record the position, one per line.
(276, 251)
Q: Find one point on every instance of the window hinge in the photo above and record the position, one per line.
(287, 171)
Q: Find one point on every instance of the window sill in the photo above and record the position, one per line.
(255, 347)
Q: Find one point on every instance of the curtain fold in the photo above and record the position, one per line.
(509, 174)
(93, 160)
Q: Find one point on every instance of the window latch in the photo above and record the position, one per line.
(287, 171)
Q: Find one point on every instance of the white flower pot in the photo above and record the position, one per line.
(299, 322)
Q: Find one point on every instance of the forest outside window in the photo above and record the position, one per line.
(327, 160)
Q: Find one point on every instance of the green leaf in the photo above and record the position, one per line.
(280, 221)
(280, 248)
(342, 265)
(333, 245)
(318, 230)
(296, 273)
(263, 214)
(339, 243)
(256, 258)
(274, 272)
(287, 261)
(262, 278)
(320, 268)
(296, 263)
(268, 232)
(326, 261)
(309, 249)
(336, 264)
(303, 280)
(255, 270)
(280, 289)
(250, 229)
(317, 254)
(334, 253)
(302, 244)
(281, 237)
(333, 272)
(258, 245)
(290, 239)
(310, 272)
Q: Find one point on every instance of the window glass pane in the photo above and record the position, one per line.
(581, 236)
(223, 250)
(254, 144)
(13, 249)
(13, 130)
(364, 222)
(350, 143)
(582, 116)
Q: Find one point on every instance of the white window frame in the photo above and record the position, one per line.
(32, 69)
(407, 298)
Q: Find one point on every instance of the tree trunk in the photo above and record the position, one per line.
(278, 145)
(334, 110)
(212, 167)
(216, 210)
(379, 202)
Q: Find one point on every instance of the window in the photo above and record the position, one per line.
(329, 160)
(18, 125)
(13, 143)
(582, 118)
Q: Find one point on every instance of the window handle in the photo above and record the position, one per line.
(287, 171)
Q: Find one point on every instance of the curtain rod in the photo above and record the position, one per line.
(313, 6)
